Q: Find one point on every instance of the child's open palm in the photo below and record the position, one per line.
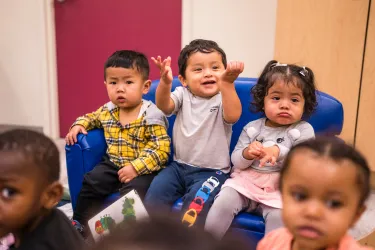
(233, 70)
(165, 69)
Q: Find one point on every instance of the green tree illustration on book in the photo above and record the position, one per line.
(128, 210)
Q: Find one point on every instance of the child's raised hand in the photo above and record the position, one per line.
(71, 137)
(127, 173)
(232, 71)
(269, 156)
(253, 151)
(165, 69)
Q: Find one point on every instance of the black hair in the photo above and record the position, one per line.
(33, 146)
(128, 59)
(338, 151)
(198, 45)
(289, 73)
(163, 233)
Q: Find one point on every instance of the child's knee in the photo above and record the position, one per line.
(273, 220)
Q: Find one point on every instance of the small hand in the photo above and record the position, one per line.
(269, 155)
(253, 151)
(165, 69)
(127, 173)
(232, 72)
(71, 137)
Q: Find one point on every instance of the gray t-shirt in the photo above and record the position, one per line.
(201, 137)
(284, 137)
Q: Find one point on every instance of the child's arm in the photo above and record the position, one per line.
(232, 108)
(240, 158)
(154, 155)
(163, 92)
(82, 124)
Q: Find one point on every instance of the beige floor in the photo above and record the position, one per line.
(363, 228)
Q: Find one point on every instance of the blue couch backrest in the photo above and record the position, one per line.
(327, 120)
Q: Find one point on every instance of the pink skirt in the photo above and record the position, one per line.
(257, 186)
(6, 242)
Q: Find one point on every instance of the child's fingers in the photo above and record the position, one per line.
(157, 61)
(258, 144)
(75, 138)
(241, 67)
(165, 63)
(254, 153)
(122, 176)
(263, 161)
(67, 139)
(71, 139)
(122, 179)
(229, 67)
(119, 172)
(273, 160)
(83, 131)
(165, 72)
(168, 61)
(154, 60)
(236, 67)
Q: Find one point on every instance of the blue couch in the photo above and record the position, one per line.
(88, 151)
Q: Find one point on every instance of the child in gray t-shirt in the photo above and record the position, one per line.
(285, 94)
(206, 107)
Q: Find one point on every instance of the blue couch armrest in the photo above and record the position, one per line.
(82, 157)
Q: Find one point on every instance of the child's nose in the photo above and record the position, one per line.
(314, 210)
(120, 87)
(284, 104)
(207, 72)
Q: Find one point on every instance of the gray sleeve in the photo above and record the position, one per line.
(237, 158)
(301, 132)
(155, 116)
(177, 97)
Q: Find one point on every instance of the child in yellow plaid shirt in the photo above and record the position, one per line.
(135, 131)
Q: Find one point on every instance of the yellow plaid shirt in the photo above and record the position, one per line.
(143, 143)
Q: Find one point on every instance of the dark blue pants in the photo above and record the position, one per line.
(197, 186)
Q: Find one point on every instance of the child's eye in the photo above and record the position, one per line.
(112, 83)
(276, 98)
(7, 193)
(334, 204)
(299, 196)
(129, 82)
(295, 100)
(197, 69)
(215, 67)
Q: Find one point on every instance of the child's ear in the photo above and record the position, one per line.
(358, 215)
(105, 82)
(146, 86)
(52, 195)
(182, 80)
